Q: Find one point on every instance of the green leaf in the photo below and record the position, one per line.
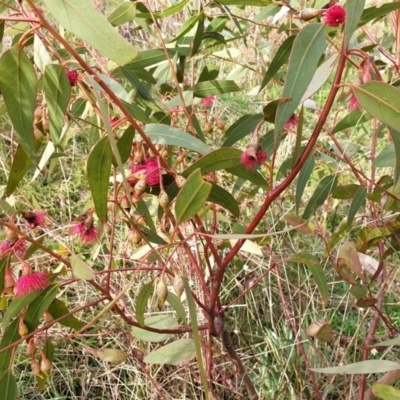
(222, 197)
(396, 142)
(362, 367)
(345, 192)
(57, 90)
(125, 12)
(358, 201)
(356, 117)
(80, 269)
(164, 134)
(199, 35)
(141, 303)
(156, 321)
(98, 174)
(192, 197)
(18, 304)
(348, 255)
(188, 25)
(173, 353)
(18, 86)
(150, 235)
(270, 109)
(257, 3)
(10, 336)
(8, 386)
(196, 335)
(248, 174)
(214, 88)
(372, 13)
(304, 175)
(279, 59)
(241, 128)
(216, 160)
(57, 309)
(307, 50)
(39, 306)
(313, 264)
(381, 100)
(354, 10)
(147, 58)
(124, 145)
(385, 392)
(176, 304)
(321, 193)
(81, 18)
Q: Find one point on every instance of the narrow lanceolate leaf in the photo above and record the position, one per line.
(98, 173)
(349, 256)
(241, 128)
(18, 86)
(223, 198)
(173, 353)
(159, 322)
(396, 142)
(352, 119)
(257, 3)
(57, 90)
(8, 386)
(80, 269)
(313, 264)
(3, 265)
(81, 18)
(124, 13)
(57, 309)
(280, 58)
(358, 201)
(141, 303)
(164, 134)
(307, 50)
(304, 175)
(248, 174)
(10, 336)
(124, 145)
(199, 35)
(192, 197)
(321, 193)
(354, 10)
(39, 306)
(381, 100)
(214, 88)
(362, 367)
(216, 160)
(374, 13)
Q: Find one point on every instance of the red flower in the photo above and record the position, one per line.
(35, 218)
(292, 122)
(208, 101)
(31, 283)
(85, 229)
(152, 172)
(335, 15)
(18, 246)
(114, 120)
(250, 161)
(73, 76)
(353, 102)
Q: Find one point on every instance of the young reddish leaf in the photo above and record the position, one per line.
(18, 86)
(80, 269)
(192, 197)
(98, 174)
(348, 255)
(57, 90)
(173, 353)
(307, 50)
(141, 303)
(82, 19)
(381, 100)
